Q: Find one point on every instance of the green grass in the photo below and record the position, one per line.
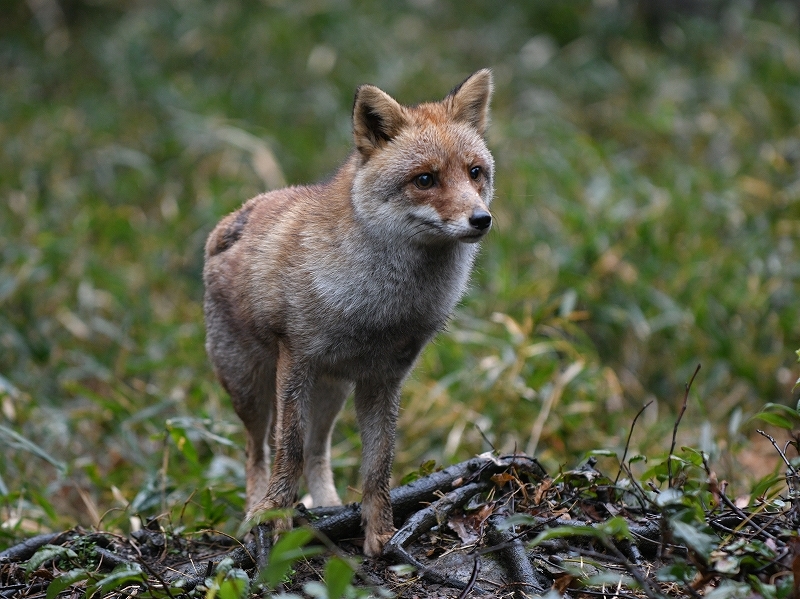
(647, 208)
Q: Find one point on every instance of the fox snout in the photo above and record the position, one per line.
(480, 220)
(475, 224)
(479, 223)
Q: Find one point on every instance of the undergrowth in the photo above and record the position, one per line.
(672, 531)
(647, 210)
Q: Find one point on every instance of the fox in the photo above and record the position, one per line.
(314, 292)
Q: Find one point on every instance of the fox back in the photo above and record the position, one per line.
(315, 291)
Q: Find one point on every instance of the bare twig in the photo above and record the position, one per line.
(780, 453)
(746, 518)
(155, 574)
(476, 567)
(628, 442)
(485, 438)
(678, 421)
(164, 468)
(638, 491)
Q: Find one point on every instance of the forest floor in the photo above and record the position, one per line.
(496, 526)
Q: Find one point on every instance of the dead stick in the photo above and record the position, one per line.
(617, 556)
(345, 522)
(28, 547)
(778, 449)
(421, 522)
(628, 442)
(411, 497)
(160, 578)
(263, 535)
(745, 518)
(243, 557)
(110, 560)
(677, 422)
(476, 567)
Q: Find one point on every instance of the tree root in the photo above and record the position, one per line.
(511, 551)
(28, 547)
(423, 521)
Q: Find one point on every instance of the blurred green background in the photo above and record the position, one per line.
(647, 220)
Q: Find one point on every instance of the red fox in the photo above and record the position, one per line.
(312, 292)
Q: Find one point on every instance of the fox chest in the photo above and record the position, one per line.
(376, 321)
(368, 353)
(384, 290)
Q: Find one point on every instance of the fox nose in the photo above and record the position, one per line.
(480, 220)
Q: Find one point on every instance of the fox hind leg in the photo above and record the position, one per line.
(326, 401)
(255, 405)
(247, 372)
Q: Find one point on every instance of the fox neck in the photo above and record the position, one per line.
(402, 269)
(415, 285)
(380, 270)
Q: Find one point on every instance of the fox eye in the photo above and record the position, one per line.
(475, 172)
(424, 181)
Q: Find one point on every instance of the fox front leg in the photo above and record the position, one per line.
(377, 404)
(293, 382)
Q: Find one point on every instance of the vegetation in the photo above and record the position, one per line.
(648, 217)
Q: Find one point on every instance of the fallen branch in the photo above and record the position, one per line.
(423, 521)
(345, 522)
(515, 560)
(28, 547)
(647, 536)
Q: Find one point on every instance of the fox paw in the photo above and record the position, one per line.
(277, 519)
(374, 542)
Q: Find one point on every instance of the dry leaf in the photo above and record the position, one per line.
(562, 582)
(502, 478)
(541, 491)
(464, 529)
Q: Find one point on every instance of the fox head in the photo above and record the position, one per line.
(425, 172)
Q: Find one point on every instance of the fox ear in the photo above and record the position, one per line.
(469, 102)
(377, 118)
